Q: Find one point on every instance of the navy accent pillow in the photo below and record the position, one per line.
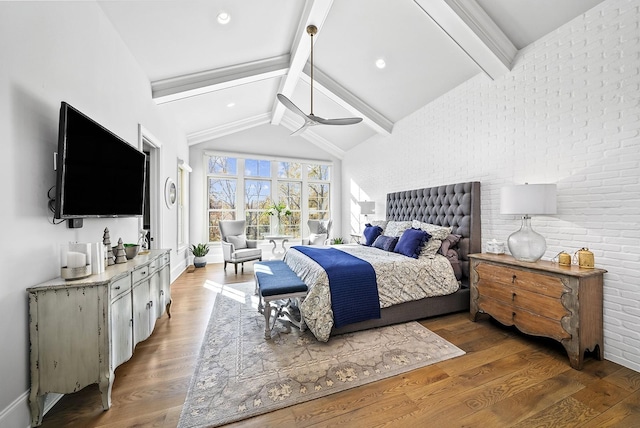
(371, 233)
(411, 242)
(387, 243)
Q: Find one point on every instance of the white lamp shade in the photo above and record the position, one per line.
(528, 199)
(367, 207)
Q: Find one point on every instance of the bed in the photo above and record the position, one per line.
(409, 288)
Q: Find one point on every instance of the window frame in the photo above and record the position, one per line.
(240, 212)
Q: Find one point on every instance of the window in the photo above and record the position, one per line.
(183, 204)
(290, 192)
(319, 191)
(257, 196)
(247, 187)
(221, 191)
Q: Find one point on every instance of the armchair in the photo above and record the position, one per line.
(236, 248)
(319, 232)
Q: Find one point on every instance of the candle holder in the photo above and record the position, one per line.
(75, 261)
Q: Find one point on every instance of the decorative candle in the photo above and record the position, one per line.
(76, 259)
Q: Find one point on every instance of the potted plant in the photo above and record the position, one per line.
(337, 241)
(199, 252)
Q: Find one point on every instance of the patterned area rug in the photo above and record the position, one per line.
(240, 374)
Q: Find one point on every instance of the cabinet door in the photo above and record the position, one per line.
(141, 309)
(165, 287)
(121, 330)
(155, 309)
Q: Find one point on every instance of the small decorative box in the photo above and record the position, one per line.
(495, 247)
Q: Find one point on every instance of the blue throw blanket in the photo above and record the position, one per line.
(352, 283)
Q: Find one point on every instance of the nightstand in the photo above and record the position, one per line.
(543, 299)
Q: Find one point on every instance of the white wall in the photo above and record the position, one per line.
(53, 52)
(265, 140)
(567, 113)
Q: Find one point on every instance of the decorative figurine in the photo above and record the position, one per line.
(121, 255)
(106, 241)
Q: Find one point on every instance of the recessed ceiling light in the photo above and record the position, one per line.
(231, 105)
(224, 18)
(380, 63)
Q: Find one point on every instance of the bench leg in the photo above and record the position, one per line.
(267, 325)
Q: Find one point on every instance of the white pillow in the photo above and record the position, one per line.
(436, 232)
(396, 228)
(317, 238)
(239, 241)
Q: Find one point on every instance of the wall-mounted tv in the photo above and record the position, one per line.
(98, 173)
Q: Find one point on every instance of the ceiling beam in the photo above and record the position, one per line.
(469, 26)
(347, 100)
(315, 12)
(189, 85)
(227, 128)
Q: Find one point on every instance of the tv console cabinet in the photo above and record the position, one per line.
(81, 330)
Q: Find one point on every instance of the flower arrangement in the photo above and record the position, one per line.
(279, 210)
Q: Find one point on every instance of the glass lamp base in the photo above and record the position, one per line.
(527, 245)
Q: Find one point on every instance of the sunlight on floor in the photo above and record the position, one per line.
(228, 290)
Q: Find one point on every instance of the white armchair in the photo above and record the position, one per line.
(319, 232)
(236, 248)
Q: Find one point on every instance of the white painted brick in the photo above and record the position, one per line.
(567, 113)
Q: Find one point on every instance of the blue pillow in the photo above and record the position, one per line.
(411, 242)
(387, 243)
(371, 233)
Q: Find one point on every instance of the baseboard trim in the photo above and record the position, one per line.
(18, 414)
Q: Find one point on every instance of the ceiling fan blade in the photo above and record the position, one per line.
(311, 119)
(291, 106)
(342, 121)
(307, 123)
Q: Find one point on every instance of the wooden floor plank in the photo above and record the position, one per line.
(505, 377)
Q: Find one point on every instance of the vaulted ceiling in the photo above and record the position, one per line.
(217, 79)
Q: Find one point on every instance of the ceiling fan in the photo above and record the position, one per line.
(311, 119)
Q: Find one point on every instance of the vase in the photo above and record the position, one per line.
(278, 228)
(199, 261)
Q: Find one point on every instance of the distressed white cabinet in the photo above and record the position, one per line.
(82, 330)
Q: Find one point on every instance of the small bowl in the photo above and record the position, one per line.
(131, 251)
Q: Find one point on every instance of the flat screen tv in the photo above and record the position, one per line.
(98, 173)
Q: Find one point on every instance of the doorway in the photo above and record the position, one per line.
(151, 221)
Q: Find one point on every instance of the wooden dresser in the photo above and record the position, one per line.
(81, 330)
(543, 299)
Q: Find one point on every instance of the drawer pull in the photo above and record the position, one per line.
(513, 279)
(116, 288)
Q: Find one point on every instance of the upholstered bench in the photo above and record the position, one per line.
(277, 283)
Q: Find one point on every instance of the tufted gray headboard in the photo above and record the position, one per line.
(456, 205)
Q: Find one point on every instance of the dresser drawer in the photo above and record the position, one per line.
(532, 281)
(120, 286)
(550, 307)
(525, 320)
(140, 274)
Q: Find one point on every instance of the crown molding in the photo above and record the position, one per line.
(227, 128)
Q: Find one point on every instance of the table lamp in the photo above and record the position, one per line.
(366, 208)
(527, 199)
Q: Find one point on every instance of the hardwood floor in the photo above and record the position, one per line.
(505, 379)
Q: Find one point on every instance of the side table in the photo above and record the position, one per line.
(274, 239)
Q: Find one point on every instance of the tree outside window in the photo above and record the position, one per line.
(246, 188)
(221, 193)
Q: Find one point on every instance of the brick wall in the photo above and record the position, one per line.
(567, 113)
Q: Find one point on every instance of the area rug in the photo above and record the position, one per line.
(240, 374)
